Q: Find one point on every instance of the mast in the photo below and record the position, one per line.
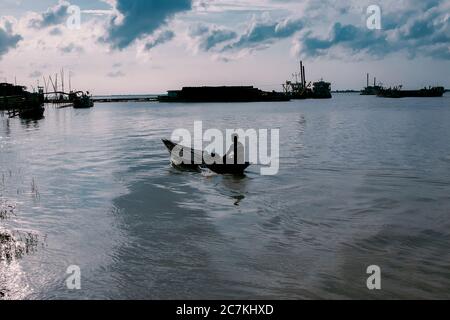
(301, 72)
(62, 79)
(304, 77)
(70, 81)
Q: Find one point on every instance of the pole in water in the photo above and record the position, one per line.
(62, 79)
(70, 81)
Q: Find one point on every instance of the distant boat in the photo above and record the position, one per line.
(298, 90)
(81, 100)
(191, 159)
(222, 94)
(371, 90)
(397, 92)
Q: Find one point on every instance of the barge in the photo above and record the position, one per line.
(397, 92)
(222, 94)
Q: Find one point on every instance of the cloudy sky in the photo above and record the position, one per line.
(149, 46)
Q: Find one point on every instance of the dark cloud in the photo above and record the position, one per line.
(53, 16)
(262, 33)
(424, 30)
(8, 40)
(349, 36)
(209, 37)
(140, 18)
(161, 38)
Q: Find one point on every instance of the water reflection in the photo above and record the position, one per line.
(28, 123)
(236, 187)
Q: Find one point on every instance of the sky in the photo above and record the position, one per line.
(151, 46)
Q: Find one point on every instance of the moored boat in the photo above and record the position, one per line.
(34, 113)
(81, 100)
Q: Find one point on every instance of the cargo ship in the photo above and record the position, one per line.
(303, 90)
(222, 94)
(371, 90)
(397, 92)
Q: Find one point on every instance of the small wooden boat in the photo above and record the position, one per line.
(191, 159)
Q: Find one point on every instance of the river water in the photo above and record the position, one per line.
(362, 181)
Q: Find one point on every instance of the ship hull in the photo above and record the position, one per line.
(423, 93)
(222, 94)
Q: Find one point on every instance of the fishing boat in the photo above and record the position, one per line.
(190, 159)
(81, 100)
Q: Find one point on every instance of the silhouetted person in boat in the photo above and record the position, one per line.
(236, 154)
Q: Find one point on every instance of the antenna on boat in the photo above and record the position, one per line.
(302, 79)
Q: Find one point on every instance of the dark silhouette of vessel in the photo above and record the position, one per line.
(371, 90)
(186, 161)
(19, 102)
(303, 90)
(81, 100)
(222, 94)
(397, 92)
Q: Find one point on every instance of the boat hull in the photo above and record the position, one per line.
(423, 93)
(191, 159)
(32, 113)
(221, 94)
